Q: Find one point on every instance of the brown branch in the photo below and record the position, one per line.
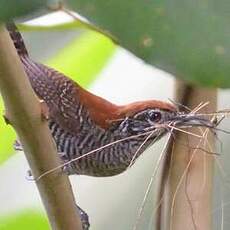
(191, 196)
(25, 114)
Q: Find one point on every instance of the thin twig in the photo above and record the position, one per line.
(150, 182)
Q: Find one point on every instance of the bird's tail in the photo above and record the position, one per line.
(17, 39)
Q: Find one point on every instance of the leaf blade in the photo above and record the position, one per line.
(187, 39)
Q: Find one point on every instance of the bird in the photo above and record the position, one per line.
(81, 122)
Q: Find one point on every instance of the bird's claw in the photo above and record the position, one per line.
(17, 146)
(84, 218)
(29, 175)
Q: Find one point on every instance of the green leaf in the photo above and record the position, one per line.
(84, 58)
(189, 39)
(26, 220)
(15, 8)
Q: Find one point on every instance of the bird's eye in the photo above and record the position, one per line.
(155, 116)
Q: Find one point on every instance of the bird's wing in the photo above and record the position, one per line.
(60, 94)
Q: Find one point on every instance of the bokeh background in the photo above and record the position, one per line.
(117, 75)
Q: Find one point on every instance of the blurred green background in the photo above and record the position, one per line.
(108, 70)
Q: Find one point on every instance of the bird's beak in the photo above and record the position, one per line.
(190, 120)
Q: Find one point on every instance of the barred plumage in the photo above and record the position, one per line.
(81, 122)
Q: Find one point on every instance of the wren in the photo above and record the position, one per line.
(80, 121)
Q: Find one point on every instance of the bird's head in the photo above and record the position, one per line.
(140, 117)
(143, 117)
(156, 117)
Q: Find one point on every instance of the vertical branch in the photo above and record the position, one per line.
(24, 112)
(188, 200)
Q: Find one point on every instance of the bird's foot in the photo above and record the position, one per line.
(84, 218)
(29, 175)
(17, 146)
